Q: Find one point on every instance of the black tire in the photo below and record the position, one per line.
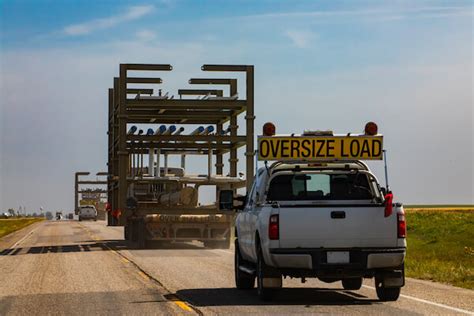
(141, 235)
(352, 283)
(243, 281)
(265, 294)
(80, 219)
(386, 294)
(126, 232)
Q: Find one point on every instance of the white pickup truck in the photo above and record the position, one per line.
(330, 220)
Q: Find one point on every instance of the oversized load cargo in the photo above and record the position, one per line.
(187, 196)
(146, 128)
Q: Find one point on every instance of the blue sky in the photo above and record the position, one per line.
(319, 65)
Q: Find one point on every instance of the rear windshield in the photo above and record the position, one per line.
(291, 187)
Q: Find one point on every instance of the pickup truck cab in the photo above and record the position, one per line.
(326, 219)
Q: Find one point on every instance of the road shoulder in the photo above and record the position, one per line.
(9, 240)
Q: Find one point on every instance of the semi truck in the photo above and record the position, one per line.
(158, 202)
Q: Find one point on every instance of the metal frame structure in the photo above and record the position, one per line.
(78, 183)
(126, 150)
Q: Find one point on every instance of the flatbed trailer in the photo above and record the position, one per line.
(156, 202)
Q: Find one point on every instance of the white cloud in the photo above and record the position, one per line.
(87, 27)
(300, 38)
(145, 35)
(429, 11)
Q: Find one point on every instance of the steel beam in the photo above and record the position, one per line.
(143, 80)
(148, 67)
(229, 68)
(139, 91)
(221, 81)
(215, 92)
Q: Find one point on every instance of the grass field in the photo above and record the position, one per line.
(441, 245)
(8, 226)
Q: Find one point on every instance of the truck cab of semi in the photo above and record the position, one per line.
(319, 211)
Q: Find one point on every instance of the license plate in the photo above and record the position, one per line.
(338, 257)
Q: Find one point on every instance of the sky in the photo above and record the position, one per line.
(406, 65)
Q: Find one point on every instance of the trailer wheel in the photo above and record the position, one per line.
(141, 235)
(126, 233)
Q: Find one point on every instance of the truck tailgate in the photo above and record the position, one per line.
(315, 227)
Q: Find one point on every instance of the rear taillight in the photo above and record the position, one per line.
(402, 225)
(273, 228)
(388, 204)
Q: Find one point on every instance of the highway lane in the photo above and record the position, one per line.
(57, 268)
(203, 278)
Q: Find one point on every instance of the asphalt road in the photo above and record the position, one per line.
(85, 268)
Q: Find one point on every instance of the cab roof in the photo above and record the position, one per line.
(351, 165)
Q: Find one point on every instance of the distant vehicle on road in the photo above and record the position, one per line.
(87, 212)
(59, 216)
(70, 216)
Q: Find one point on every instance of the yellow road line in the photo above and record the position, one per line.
(180, 304)
(183, 306)
(143, 275)
(124, 260)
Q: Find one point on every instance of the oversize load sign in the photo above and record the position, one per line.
(320, 148)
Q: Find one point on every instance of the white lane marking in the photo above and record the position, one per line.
(430, 302)
(24, 237)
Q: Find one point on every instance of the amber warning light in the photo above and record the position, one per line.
(268, 129)
(371, 129)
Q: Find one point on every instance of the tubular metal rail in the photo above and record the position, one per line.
(127, 146)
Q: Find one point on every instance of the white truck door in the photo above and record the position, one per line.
(244, 226)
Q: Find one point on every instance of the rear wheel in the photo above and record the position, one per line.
(386, 294)
(352, 283)
(243, 280)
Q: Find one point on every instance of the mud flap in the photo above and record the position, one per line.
(392, 279)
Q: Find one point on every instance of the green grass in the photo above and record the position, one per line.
(8, 226)
(440, 206)
(441, 246)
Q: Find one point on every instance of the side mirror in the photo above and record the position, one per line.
(226, 201)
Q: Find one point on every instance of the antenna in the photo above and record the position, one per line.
(385, 167)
